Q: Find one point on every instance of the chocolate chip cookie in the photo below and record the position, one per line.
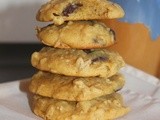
(102, 108)
(59, 11)
(82, 63)
(77, 34)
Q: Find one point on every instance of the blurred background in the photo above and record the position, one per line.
(18, 39)
(138, 34)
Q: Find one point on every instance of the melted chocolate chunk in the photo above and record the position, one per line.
(70, 9)
(100, 59)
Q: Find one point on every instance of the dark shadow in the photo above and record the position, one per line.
(15, 61)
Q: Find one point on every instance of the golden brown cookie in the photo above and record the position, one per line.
(77, 34)
(74, 88)
(59, 11)
(102, 108)
(72, 62)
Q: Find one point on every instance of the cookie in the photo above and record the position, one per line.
(82, 63)
(59, 11)
(74, 88)
(102, 108)
(78, 34)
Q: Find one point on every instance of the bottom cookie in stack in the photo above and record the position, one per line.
(107, 107)
(77, 98)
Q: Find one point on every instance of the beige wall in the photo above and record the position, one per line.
(136, 46)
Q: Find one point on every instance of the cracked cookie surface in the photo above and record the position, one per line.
(103, 108)
(59, 11)
(77, 34)
(82, 63)
(74, 88)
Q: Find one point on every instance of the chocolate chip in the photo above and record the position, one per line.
(114, 34)
(70, 9)
(87, 51)
(100, 59)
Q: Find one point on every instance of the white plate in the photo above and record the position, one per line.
(141, 93)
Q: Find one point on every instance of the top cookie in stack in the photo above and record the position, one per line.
(76, 60)
(59, 11)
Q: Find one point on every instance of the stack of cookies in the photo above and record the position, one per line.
(78, 77)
